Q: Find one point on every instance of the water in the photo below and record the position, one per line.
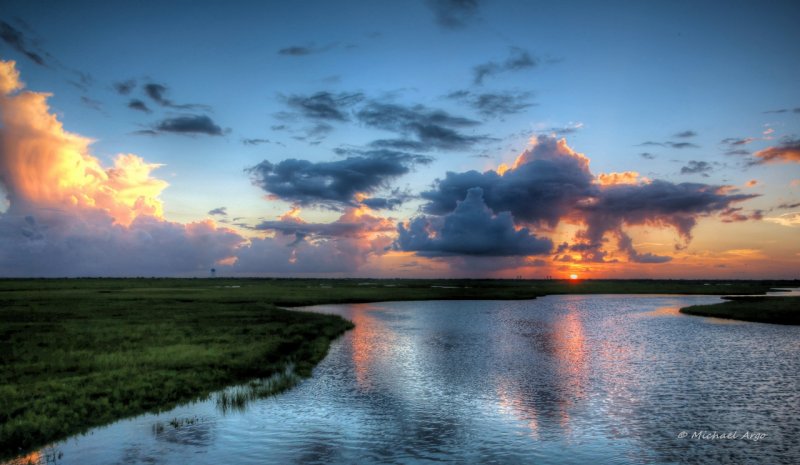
(561, 379)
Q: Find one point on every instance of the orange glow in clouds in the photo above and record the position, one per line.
(45, 165)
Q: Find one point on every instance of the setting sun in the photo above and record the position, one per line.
(573, 276)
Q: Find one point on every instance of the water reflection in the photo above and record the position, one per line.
(578, 379)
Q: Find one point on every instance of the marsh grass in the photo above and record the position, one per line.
(78, 353)
(773, 309)
(236, 398)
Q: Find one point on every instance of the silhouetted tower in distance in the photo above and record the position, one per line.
(213, 272)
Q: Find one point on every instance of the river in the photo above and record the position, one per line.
(598, 379)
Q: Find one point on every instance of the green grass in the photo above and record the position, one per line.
(779, 310)
(78, 353)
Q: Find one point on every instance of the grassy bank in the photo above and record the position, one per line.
(779, 310)
(85, 352)
(80, 356)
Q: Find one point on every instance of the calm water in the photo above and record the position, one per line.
(561, 379)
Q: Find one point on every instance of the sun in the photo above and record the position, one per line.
(573, 276)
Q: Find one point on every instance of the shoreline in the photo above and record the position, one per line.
(93, 351)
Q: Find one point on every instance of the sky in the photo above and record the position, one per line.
(430, 138)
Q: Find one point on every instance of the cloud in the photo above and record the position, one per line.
(696, 167)
(255, 141)
(92, 103)
(220, 211)
(550, 183)
(647, 156)
(138, 105)
(495, 104)
(784, 110)
(570, 128)
(327, 183)
(470, 229)
(304, 50)
(670, 144)
(324, 105)
(788, 151)
(685, 134)
(301, 247)
(354, 222)
(16, 40)
(157, 93)
(124, 87)
(186, 125)
(736, 141)
(431, 128)
(394, 200)
(737, 152)
(519, 59)
(546, 181)
(787, 219)
(453, 14)
(658, 203)
(626, 177)
(68, 215)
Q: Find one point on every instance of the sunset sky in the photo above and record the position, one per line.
(441, 138)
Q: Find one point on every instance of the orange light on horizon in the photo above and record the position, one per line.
(573, 276)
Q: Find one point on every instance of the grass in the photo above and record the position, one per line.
(778, 310)
(78, 353)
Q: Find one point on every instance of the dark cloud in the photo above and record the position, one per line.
(519, 59)
(188, 125)
(255, 141)
(124, 87)
(92, 103)
(495, 104)
(738, 152)
(696, 167)
(548, 181)
(220, 211)
(138, 105)
(736, 141)
(399, 144)
(785, 110)
(659, 202)
(392, 200)
(157, 93)
(471, 229)
(787, 151)
(453, 14)
(682, 145)
(735, 215)
(674, 145)
(17, 40)
(625, 244)
(685, 134)
(647, 156)
(304, 50)
(327, 183)
(324, 105)
(382, 203)
(83, 82)
(788, 205)
(431, 128)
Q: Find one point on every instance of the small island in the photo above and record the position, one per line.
(783, 310)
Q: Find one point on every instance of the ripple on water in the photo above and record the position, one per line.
(561, 379)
